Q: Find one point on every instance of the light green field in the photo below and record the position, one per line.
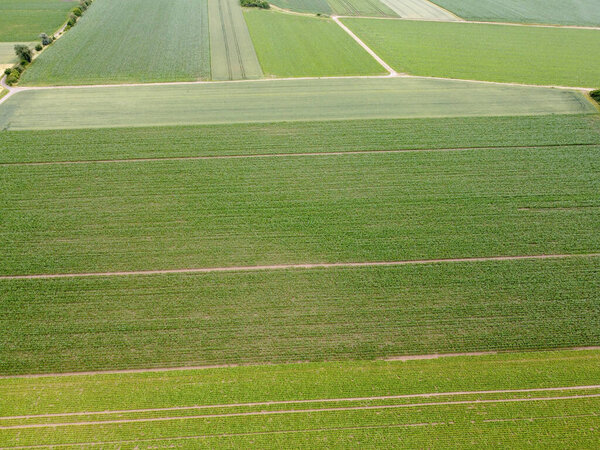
(373, 8)
(304, 6)
(550, 418)
(148, 40)
(296, 46)
(146, 321)
(285, 100)
(299, 137)
(531, 55)
(565, 12)
(24, 20)
(232, 55)
(7, 52)
(363, 207)
(419, 9)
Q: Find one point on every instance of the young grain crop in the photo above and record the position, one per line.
(24, 20)
(502, 53)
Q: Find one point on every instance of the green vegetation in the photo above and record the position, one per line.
(149, 40)
(595, 95)
(365, 207)
(374, 8)
(419, 9)
(285, 100)
(298, 46)
(568, 422)
(565, 12)
(146, 321)
(304, 6)
(7, 53)
(263, 4)
(231, 51)
(298, 137)
(532, 55)
(24, 20)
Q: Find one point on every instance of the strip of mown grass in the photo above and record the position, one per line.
(546, 421)
(531, 55)
(24, 20)
(142, 41)
(126, 322)
(564, 12)
(280, 101)
(304, 6)
(298, 137)
(364, 207)
(298, 46)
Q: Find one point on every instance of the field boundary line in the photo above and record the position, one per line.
(286, 155)
(386, 66)
(298, 411)
(299, 266)
(305, 401)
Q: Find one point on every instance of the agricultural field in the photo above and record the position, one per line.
(373, 8)
(141, 321)
(335, 223)
(320, 47)
(24, 20)
(550, 397)
(543, 131)
(279, 100)
(499, 53)
(232, 55)
(563, 12)
(149, 40)
(419, 9)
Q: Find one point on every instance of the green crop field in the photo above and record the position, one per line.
(298, 137)
(148, 40)
(304, 6)
(7, 53)
(317, 405)
(361, 207)
(565, 12)
(24, 20)
(232, 54)
(297, 46)
(374, 8)
(279, 100)
(531, 55)
(125, 322)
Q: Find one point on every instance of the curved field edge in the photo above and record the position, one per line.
(308, 315)
(279, 100)
(298, 137)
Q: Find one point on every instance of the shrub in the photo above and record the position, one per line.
(77, 11)
(13, 77)
(595, 95)
(255, 4)
(39, 47)
(46, 40)
(23, 52)
(72, 21)
(7, 71)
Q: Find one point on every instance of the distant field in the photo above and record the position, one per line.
(232, 55)
(148, 40)
(565, 12)
(369, 207)
(7, 52)
(305, 6)
(419, 9)
(286, 100)
(304, 392)
(531, 55)
(296, 46)
(24, 20)
(299, 137)
(301, 315)
(374, 8)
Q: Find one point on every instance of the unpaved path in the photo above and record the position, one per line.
(296, 266)
(289, 155)
(300, 411)
(299, 402)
